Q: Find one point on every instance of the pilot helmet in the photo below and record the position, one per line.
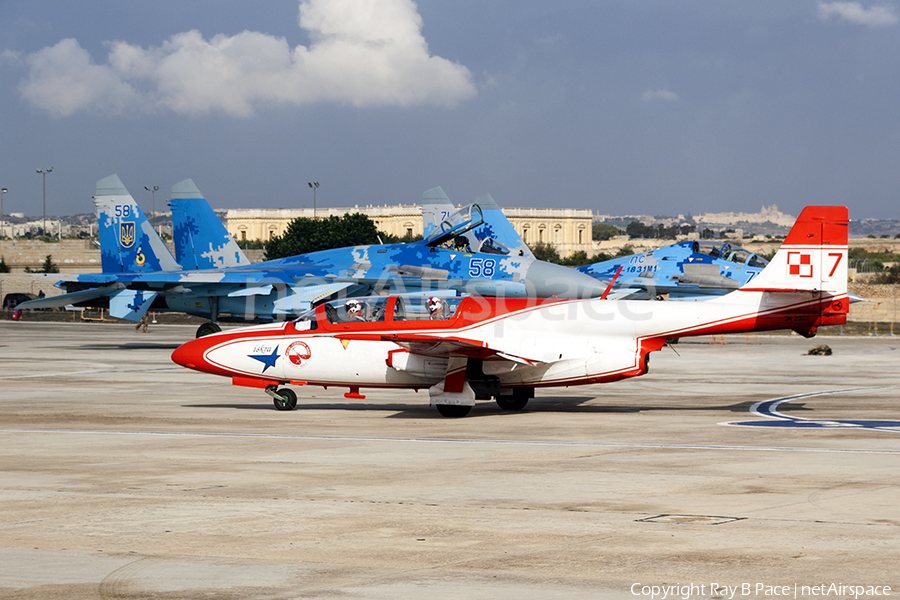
(353, 307)
(435, 305)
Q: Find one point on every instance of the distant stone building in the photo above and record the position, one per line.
(266, 223)
(768, 214)
(567, 229)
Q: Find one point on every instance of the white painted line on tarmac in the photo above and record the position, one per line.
(280, 436)
(105, 372)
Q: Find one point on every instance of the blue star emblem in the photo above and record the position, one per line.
(266, 359)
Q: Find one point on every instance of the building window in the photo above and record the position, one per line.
(525, 234)
(409, 232)
(541, 234)
(243, 234)
(581, 236)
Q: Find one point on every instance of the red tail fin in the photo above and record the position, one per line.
(813, 256)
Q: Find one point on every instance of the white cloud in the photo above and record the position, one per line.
(652, 95)
(364, 53)
(876, 16)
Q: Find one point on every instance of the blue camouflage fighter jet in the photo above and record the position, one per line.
(685, 270)
(688, 270)
(216, 281)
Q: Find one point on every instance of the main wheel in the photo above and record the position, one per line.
(454, 411)
(511, 402)
(287, 399)
(207, 328)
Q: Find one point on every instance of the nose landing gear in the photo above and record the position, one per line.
(284, 398)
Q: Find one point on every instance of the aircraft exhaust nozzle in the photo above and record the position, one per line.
(546, 280)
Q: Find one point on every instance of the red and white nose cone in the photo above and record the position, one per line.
(190, 355)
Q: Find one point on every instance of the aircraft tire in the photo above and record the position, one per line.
(207, 328)
(511, 402)
(453, 411)
(287, 399)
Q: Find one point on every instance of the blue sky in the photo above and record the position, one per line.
(624, 107)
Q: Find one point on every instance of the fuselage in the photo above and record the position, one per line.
(518, 342)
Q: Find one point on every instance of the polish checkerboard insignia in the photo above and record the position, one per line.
(800, 264)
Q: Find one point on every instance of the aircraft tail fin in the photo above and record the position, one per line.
(436, 207)
(495, 234)
(496, 231)
(813, 256)
(813, 260)
(201, 240)
(128, 243)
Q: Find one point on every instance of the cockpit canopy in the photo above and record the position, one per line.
(726, 251)
(463, 220)
(379, 310)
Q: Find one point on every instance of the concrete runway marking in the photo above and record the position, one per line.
(769, 409)
(280, 436)
(104, 372)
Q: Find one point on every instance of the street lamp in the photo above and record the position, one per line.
(2, 191)
(152, 191)
(314, 185)
(44, 221)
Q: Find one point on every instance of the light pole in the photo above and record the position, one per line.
(314, 185)
(2, 191)
(152, 191)
(44, 220)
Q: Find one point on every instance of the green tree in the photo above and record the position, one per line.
(4, 268)
(49, 266)
(636, 229)
(602, 231)
(387, 238)
(311, 235)
(546, 252)
(892, 275)
(251, 244)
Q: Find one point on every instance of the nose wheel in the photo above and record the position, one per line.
(284, 398)
(208, 328)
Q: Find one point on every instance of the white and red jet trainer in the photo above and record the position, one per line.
(466, 348)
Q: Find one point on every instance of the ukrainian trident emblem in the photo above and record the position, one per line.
(126, 234)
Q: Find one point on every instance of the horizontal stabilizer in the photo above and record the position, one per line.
(62, 300)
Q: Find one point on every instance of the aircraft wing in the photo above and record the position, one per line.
(438, 346)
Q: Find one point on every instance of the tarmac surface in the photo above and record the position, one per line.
(123, 475)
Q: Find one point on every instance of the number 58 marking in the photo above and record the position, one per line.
(482, 267)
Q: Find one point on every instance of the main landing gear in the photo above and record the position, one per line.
(516, 400)
(511, 402)
(284, 398)
(453, 411)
